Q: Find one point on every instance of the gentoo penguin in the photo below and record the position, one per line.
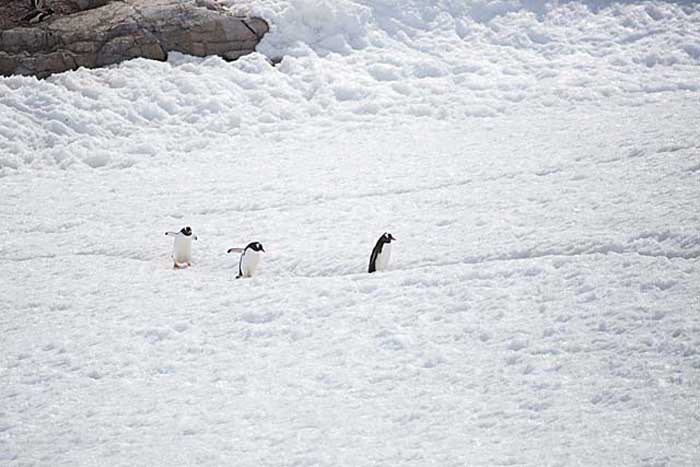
(381, 253)
(182, 248)
(250, 257)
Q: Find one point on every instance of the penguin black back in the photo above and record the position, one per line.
(386, 238)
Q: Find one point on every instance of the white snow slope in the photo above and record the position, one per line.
(538, 163)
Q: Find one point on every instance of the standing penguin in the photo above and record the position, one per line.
(381, 253)
(250, 257)
(182, 248)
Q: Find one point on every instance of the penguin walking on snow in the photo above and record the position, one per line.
(182, 248)
(381, 253)
(249, 260)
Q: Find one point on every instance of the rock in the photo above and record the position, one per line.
(95, 33)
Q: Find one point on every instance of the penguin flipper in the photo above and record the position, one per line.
(235, 250)
(373, 262)
(373, 258)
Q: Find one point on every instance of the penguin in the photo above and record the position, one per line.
(182, 248)
(250, 257)
(381, 253)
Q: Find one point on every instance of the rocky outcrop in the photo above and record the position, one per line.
(95, 33)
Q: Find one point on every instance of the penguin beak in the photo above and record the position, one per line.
(195, 237)
(263, 249)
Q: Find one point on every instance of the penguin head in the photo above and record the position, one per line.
(256, 246)
(388, 238)
(187, 231)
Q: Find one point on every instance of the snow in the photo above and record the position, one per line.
(537, 161)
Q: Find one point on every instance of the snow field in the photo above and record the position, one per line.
(576, 331)
(540, 174)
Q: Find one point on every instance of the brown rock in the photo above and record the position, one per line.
(94, 33)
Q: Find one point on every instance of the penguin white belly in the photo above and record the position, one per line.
(182, 250)
(383, 257)
(249, 262)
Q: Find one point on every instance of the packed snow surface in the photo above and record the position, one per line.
(538, 163)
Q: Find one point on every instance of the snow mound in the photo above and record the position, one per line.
(358, 61)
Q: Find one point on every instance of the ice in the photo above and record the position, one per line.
(537, 161)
